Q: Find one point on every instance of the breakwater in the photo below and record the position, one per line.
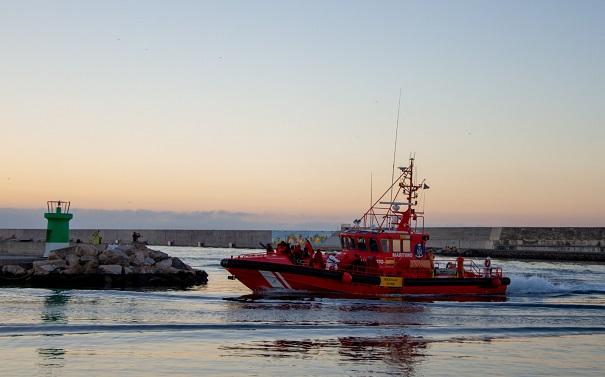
(169, 237)
(534, 239)
(554, 243)
(571, 243)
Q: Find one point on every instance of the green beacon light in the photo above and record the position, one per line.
(57, 231)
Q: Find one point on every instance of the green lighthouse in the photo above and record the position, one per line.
(57, 231)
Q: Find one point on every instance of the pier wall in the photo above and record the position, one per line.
(551, 239)
(209, 238)
(503, 241)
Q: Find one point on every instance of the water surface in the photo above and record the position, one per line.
(551, 324)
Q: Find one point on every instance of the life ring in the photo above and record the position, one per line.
(487, 262)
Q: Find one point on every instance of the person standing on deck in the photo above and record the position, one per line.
(460, 266)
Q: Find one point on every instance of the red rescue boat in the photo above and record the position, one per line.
(383, 254)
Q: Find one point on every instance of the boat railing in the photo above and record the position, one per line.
(445, 267)
(495, 271)
(473, 267)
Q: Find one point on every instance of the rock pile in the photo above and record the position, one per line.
(117, 266)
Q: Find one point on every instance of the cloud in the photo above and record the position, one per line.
(146, 219)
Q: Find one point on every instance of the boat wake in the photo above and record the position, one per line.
(523, 285)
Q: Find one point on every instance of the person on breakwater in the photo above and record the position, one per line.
(96, 238)
(135, 237)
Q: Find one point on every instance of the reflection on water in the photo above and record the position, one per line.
(280, 295)
(51, 357)
(55, 307)
(400, 354)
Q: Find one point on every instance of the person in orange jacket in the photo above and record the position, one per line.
(460, 266)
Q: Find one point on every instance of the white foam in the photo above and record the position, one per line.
(535, 284)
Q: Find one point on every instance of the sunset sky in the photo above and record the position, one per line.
(278, 112)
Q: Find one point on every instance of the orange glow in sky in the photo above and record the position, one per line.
(286, 110)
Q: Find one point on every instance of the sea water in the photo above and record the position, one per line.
(551, 324)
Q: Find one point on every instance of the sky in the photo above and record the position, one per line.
(276, 113)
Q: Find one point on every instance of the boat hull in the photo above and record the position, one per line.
(266, 276)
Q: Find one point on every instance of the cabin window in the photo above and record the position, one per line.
(384, 244)
(350, 243)
(361, 244)
(396, 246)
(342, 243)
(373, 245)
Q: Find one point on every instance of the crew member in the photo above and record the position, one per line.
(460, 266)
(269, 248)
(488, 264)
(318, 260)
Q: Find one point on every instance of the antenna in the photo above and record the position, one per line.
(395, 147)
(371, 196)
(371, 190)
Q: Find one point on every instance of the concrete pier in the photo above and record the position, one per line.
(564, 243)
(169, 237)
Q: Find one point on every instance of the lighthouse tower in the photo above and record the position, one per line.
(57, 231)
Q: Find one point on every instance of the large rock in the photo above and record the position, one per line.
(111, 269)
(60, 253)
(158, 255)
(163, 263)
(72, 259)
(137, 258)
(91, 267)
(45, 267)
(128, 249)
(114, 257)
(179, 264)
(13, 269)
(144, 270)
(73, 270)
(148, 261)
(88, 258)
(86, 250)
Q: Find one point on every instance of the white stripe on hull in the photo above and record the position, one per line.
(282, 280)
(272, 279)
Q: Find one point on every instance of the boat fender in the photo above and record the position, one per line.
(487, 262)
(506, 281)
(347, 278)
(496, 282)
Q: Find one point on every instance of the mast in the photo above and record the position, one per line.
(387, 215)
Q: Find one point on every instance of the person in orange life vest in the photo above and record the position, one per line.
(318, 260)
(460, 265)
(298, 253)
(309, 248)
(281, 248)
